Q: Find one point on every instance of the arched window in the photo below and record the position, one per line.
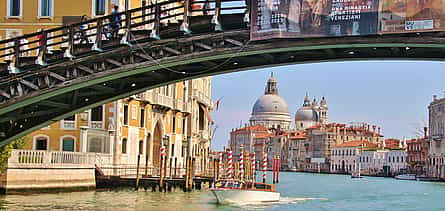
(68, 144)
(41, 143)
(124, 146)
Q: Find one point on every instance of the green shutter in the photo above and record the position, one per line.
(68, 145)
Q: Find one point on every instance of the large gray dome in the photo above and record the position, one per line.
(270, 104)
(306, 114)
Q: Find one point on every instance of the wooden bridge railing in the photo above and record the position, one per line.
(38, 46)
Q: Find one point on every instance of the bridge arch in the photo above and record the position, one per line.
(60, 87)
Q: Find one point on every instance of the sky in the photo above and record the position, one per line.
(392, 94)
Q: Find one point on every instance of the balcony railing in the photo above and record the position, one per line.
(67, 124)
(204, 134)
(96, 125)
(163, 100)
(201, 97)
(178, 104)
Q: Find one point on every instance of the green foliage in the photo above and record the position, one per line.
(5, 151)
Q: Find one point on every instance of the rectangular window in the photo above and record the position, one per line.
(96, 114)
(70, 118)
(182, 151)
(134, 112)
(183, 125)
(141, 147)
(142, 116)
(14, 7)
(45, 8)
(124, 146)
(125, 115)
(99, 7)
(41, 144)
(174, 124)
(68, 145)
(172, 150)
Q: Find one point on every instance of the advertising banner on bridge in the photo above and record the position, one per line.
(411, 16)
(313, 18)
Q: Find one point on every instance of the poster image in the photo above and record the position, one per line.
(400, 16)
(276, 18)
(314, 15)
(313, 18)
(353, 17)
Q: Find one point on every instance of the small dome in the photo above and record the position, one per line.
(270, 104)
(306, 114)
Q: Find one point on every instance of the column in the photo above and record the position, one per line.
(83, 139)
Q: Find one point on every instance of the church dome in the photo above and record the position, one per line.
(270, 104)
(306, 114)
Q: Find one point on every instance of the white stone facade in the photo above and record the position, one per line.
(436, 152)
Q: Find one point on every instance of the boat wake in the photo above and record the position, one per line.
(293, 200)
(283, 201)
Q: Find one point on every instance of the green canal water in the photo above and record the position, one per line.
(299, 191)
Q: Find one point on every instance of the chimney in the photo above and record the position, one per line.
(434, 97)
(425, 134)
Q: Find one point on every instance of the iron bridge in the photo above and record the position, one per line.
(60, 75)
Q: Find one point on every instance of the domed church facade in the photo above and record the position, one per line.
(271, 110)
(311, 114)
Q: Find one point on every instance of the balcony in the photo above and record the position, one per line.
(202, 98)
(178, 105)
(164, 102)
(204, 134)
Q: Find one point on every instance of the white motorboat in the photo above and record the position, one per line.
(406, 177)
(236, 191)
(356, 173)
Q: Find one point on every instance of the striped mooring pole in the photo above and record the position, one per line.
(264, 167)
(241, 163)
(230, 166)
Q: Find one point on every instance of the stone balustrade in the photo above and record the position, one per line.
(57, 159)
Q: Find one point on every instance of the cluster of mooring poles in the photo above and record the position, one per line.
(223, 168)
(169, 174)
(246, 166)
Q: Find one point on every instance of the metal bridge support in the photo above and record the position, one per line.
(127, 36)
(247, 12)
(216, 16)
(99, 32)
(157, 20)
(185, 26)
(42, 50)
(69, 51)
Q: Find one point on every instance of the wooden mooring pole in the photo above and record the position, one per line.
(160, 168)
(186, 177)
(137, 172)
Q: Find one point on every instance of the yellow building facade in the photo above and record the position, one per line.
(29, 16)
(176, 116)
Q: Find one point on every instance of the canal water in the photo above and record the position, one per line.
(299, 191)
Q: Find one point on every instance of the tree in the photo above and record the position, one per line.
(6, 150)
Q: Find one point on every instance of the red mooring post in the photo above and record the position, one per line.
(278, 167)
(273, 169)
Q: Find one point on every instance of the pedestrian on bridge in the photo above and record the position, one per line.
(115, 22)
